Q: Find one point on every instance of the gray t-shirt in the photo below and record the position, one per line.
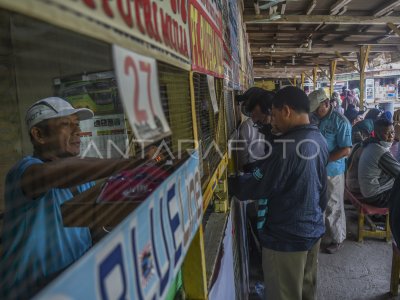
(377, 170)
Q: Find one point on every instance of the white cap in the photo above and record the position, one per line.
(316, 98)
(54, 107)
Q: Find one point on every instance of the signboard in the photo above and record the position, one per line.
(104, 136)
(163, 24)
(213, 96)
(234, 29)
(206, 37)
(139, 91)
(369, 90)
(140, 258)
(398, 88)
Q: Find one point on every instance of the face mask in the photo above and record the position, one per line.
(258, 125)
(265, 129)
(385, 144)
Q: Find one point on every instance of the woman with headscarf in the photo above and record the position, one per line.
(337, 103)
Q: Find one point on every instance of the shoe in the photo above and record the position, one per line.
(333, 248)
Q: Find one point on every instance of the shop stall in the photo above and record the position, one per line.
(153, 74)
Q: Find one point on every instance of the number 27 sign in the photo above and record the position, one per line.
(139, 92)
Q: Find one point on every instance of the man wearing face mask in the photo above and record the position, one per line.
(256, 129)
(378, 168)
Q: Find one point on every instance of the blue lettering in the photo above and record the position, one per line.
(112, 261)
(174, 223)
(164, 278)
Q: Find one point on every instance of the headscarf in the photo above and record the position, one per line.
(351, 113)
(373, 114)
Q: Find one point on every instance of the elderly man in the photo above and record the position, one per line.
(337, 131)
(293, 179)
(36, 245)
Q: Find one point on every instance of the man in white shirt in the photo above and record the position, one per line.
(254, 131)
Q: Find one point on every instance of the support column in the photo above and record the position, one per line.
(315, 78)
(332, 70)
(303, 78)
(362, 61)
(194, 269)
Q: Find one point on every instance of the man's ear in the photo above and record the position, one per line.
(286, 111)
(37, 135)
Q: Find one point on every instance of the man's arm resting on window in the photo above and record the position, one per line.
(69, 172)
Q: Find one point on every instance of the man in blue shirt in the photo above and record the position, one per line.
(36, 245)
(293, 179)
(337, 131)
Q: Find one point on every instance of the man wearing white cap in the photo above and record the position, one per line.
(337, 131)
(36, 245)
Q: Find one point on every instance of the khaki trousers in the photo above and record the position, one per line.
(290, 275)
(335, 218)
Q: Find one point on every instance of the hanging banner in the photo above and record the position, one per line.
(137, 79)
(206, 37)
(234, 29)
(163, 24)
(213, 95)
(140, 258)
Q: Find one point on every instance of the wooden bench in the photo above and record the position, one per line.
(394, 277)
(364, 211)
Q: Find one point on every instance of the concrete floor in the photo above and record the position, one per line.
(359, 271)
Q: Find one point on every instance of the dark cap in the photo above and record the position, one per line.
(254, 96)
(251, 92)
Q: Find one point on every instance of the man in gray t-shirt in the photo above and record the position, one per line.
(377, 167)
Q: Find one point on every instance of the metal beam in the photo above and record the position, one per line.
(308, 76)
(320, 50)
(263, 32)
(311, 7)
(351, 64)
(317, 19)
(324, 72)
(337, 6)
(387, 8)
(261, 42)
(394, 28)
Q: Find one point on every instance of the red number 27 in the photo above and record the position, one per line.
(130, 65)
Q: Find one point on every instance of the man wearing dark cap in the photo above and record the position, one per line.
(257, 104)
(293, 180)
(36, 245)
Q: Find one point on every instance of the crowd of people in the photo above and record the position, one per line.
(299, 154)
(315, 146)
